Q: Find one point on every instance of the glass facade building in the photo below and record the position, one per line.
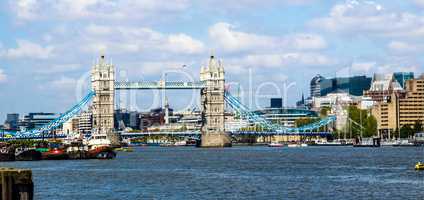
(37, 120)
(402, 77)
(276, 102)
(315, 85)
(355, 85)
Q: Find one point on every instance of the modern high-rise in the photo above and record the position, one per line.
(37, 120)
(85, 122)
(352, 85)
(315, 85)
(355, 85)
(12, 121)
(402, 77)
(401, 108)
(276, 102)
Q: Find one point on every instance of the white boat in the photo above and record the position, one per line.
(98, 140)
(275, 144)
(297, 145)
(390, 143)
(404, 143)
(180, 143)
(293, 145)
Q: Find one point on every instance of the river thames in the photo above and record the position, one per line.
(235, 173)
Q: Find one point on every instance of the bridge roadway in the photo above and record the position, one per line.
(186, 133)
(124, 85)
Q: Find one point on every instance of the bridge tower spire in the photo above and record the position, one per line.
(102, 83)
(213, 105)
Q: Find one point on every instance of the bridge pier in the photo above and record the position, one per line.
(213, 104)
(215, 140)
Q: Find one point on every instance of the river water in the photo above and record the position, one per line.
(235, 173)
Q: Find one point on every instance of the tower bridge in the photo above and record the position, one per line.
(213, 98)
(211, 86)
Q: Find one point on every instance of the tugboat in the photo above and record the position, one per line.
(101, 152)
(55, 154)
(7, 152)
(27, 154)
(77, 150)
(100, 147)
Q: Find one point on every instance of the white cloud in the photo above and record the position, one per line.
(157, 67)
(28, 49)
(283, 60)
(64, 83)
(26, 9)
(182, 43)
(58, 68)
(363, 67)
(306, 41)
(129, 39)
(390, 68)
(419, 2)
(369, 17)
(95, 9)
(227, 38)
(403, 47)
(243, 5)
(3, 76)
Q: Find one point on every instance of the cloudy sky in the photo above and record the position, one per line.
(270, 47)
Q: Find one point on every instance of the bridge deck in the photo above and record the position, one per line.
(158, 85)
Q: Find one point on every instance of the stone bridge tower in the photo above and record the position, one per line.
(213, 105)
(102, 83)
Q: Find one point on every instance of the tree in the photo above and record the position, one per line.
(406, 131)
(362, 122)
(324, 111)
(370, 126)
(305, 121)
(418, 126)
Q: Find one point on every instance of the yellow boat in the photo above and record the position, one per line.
(419, 166)
(125, 149)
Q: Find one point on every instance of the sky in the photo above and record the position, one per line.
(269, 48)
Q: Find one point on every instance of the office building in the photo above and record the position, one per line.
(401, 108)
(37, 120)
(276, 103)
(316, 85)
(85, 122)
(382, 87)
(71, 127)
(402, 77)
(12, 122)
(352, 85)
(355, 85)
(121, 119)
(333, 99)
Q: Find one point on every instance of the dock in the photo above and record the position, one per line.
(16, 184)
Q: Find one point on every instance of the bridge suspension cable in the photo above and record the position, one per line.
(245, 113)
(58, 121)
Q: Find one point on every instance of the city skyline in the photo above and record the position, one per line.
(44, 52)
